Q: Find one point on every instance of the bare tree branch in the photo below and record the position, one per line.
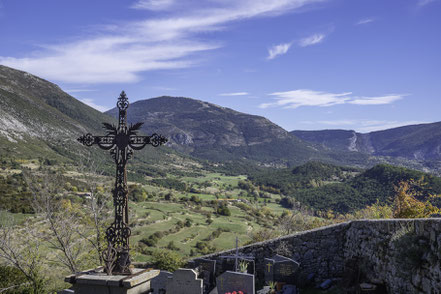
(49, 200)
(97, 201)
(20, 249)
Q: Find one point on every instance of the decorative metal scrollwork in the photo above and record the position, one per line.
(87, 139)
(109, 257)
(157, 140)
(123, 101)
(121, 141)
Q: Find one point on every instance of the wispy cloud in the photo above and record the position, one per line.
(79, 90)
(422, 3)
(155, 5)
(93, 105)
(234, 94)
(312, 40)
(362, 125)
(304, 97)
(386, 99)
(371, 126)
(277, 50)
(121, 52)
(364, 21)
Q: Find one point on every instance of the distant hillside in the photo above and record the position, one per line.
(217, 133)
(323, 186)
(39, 120)
(415, 142)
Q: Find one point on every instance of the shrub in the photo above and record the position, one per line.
(167, 260)
(204, 247)
(407, 206)
(188, 222)
(223, 210)
(149, 241)
(171, 246)
(195, 199)
(137, 193)
(180, 224)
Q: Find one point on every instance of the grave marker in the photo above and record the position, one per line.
(184, 281)
(158, 283)
(269, 269)
(207, 268)
(280, 269)
(231, 281)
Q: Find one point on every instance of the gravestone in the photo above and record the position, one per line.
(269, 269)
(158, 283)
(206, 268)
(184, 281)
(233, 281)
(280, 269)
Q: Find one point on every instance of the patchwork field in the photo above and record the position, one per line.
(158, 215)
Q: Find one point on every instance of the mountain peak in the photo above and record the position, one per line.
(208, 130)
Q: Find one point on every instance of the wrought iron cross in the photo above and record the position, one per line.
(121, 141)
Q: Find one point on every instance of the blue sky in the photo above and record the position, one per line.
(304, 64)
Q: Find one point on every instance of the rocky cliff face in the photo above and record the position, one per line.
(415, 142)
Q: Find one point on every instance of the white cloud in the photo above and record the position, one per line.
(277, 50)
(155, 5)
(122, 52)
(234, 94)
(312, 40)
(363, 125)
(78, 90)
(304, 97)
(93, 105)
(422, 3)
(364, 21)
(371, 126)
(387, 99)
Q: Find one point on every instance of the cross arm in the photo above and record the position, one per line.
(104, 142)
(139, 142)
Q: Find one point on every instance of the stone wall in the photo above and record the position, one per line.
(403, 255)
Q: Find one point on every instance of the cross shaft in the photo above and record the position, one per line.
(121, 141)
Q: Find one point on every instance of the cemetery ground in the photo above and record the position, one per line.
(187, 214)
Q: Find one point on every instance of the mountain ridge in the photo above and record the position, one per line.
(38, 119)
(414, 142)
(203, 129)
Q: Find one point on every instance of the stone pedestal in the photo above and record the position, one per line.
(98, 282)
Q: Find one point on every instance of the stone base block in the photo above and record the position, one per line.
(98, 282)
